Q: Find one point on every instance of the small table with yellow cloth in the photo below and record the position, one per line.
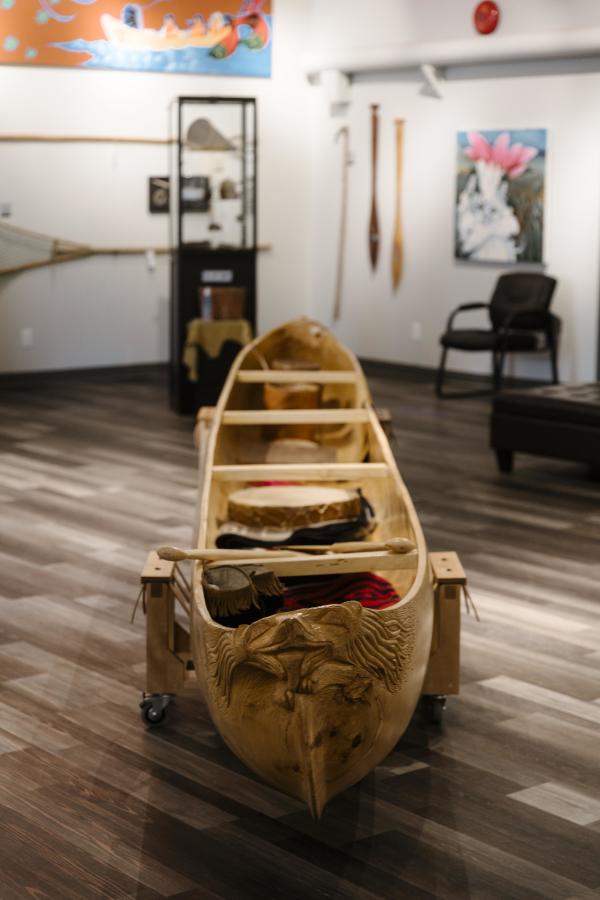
(211, 346)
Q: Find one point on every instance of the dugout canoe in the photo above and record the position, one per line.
(313, 699)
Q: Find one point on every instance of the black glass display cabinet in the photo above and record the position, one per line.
(212, 216)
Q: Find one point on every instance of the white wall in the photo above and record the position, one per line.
(348, 24)
(376, 322)
(112, 310)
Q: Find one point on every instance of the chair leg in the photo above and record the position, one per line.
(439, 379)
(554, 362)
(445, 395)
(505, 460)
(495, 370)
(498, 364)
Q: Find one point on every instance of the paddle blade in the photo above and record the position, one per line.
(397, 258)
(373, 238)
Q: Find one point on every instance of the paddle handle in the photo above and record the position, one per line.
(394, 545)
(209, 554)
(398, 247)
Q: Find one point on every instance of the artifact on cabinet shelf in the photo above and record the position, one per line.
(214, 225)
(195, 194)
(228, 190)
(500, 195)
(203, 135)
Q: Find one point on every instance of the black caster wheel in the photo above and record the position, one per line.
(433, 707)
(153, 709)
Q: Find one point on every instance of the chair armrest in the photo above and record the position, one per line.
(463, 308)
(535, 321)
(531, 321)
(555, 324)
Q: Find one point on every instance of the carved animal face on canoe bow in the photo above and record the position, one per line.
(344, 646)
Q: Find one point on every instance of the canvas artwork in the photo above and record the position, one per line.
(155, 36)
(500, 195)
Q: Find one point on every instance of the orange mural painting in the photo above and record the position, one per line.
(159, 35)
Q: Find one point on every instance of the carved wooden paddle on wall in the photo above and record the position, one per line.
(374, 221)
(398, 246)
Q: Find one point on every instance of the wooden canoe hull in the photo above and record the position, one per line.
(313, 700)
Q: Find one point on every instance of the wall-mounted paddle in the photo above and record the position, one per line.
(398, 245)
(374, 220)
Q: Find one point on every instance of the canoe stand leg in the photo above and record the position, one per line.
(443, 672)
(169, 664)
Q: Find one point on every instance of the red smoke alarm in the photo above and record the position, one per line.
(486, 17)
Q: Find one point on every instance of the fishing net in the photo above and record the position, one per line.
(21, 249)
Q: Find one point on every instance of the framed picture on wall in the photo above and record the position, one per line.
(500, 196)
(158, 194)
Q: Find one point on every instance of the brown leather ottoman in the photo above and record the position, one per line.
(559, 420)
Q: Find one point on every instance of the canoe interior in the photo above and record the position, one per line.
(347, 443)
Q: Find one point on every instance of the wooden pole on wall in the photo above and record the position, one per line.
(344, 135)
(78, 139)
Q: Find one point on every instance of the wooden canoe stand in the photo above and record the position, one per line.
(169, 662)
(443, 672)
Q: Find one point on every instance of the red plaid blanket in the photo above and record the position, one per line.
(370, 590)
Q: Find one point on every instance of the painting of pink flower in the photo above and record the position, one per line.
(511, 158)
(500, 192)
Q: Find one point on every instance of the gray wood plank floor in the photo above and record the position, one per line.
(501, 801)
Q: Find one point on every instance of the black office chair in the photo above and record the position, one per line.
(521, 323)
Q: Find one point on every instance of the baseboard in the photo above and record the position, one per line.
(374, 368)
(102, 373)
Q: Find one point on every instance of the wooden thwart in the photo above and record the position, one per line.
(293, 416)
(301, 472)
(282, 376)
